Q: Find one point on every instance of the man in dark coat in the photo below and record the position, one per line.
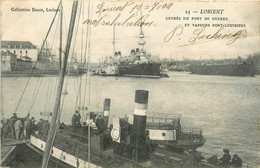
(225, 160)
(12, 122)
(100, 123)
(76, 119)
(236, 161)
(5, 128)
(33, 126)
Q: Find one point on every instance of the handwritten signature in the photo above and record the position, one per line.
(199, 35)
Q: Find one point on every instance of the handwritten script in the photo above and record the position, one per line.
(126, 14)
(199, 36)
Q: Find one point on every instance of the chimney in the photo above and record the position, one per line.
(133, 51)
(106, 111)
(141, 102)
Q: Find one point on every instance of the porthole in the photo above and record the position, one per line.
(41, 145)
(163, 134)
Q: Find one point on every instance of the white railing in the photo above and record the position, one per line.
(162, 118)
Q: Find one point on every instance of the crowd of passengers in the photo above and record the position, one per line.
(95, 120)
(20, 128)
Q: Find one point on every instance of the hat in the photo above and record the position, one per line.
(225, 150)
(235, 155)
(14, 114)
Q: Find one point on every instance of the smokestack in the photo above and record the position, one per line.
(106, 111)
(141, 101)
(119, 53)
(133, 51)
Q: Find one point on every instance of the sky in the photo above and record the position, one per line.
(33, 26)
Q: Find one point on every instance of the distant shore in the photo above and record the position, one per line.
(32, 74)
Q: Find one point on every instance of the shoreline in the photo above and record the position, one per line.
(33, 74)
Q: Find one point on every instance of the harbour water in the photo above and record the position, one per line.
(226, 108)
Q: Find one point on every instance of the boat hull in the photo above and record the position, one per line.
(58, 154)
(144, 69)
(228, 70)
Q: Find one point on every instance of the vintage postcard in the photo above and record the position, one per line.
(130, 83)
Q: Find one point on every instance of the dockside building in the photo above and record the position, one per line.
(23, 49)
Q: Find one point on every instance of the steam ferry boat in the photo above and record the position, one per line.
(129, 141)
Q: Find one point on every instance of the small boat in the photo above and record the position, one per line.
(167, 130)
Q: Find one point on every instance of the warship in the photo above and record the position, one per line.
(137, 64)
(246, 68)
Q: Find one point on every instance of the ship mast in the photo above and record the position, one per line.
(114, 43)
(52, 129)
(60, 50)
(141, 42)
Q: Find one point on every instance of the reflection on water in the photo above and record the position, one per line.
(226, 108)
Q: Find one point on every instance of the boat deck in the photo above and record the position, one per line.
(8, 147)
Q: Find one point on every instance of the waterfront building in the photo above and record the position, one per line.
(23, 49)
(8, 60)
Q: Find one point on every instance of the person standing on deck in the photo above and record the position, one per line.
(76, 119)
(18, 126)
(99, 123)
(12, 122)
(22, 128)
(5, 128)
(225, 160)
(148, 140)
(236, 161)
(32, 127)
(45, 128)
(26, 129)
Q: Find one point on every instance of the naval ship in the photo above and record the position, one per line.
(246, 68)
(138, 64)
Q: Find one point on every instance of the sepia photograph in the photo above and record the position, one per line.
(130, 83)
